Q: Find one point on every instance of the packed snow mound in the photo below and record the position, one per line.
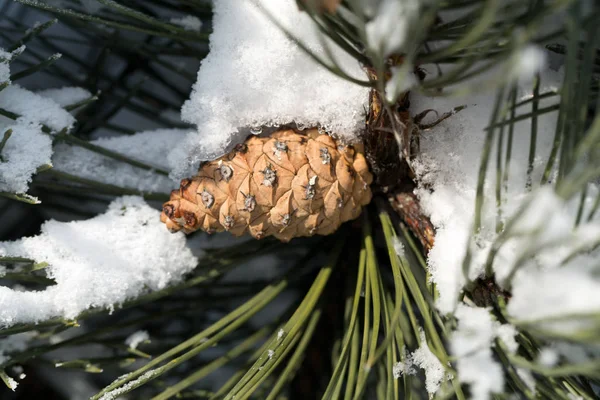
(100, 262)
(255, 76)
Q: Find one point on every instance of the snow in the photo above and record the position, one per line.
(387, 32)
(405, 367)
(115, 394)
(28, 147)
(562, 299)
(150, 147)
(254, 76)
(398, 246)
(189, 23)
(65, 96)
(35, 108)
(448, 168)
(137, 338)
(471, 343)
(100, 262)
(529, 61)
(423, 358)
(11, 383)
(548, 357)
(527, 378)
(543, 259)
(26, 150)
(5, 57)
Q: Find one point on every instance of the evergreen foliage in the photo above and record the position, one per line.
(346, 309)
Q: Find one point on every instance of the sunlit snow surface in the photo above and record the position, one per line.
(548, 289)
(100, 262)
(254, 76)
(27, 147)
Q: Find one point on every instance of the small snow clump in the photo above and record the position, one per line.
(100, 262)
(148, 147)
(136, 338)
(65, 96)
(423, 358)
(471, 343)
(189, 23)
(35, 108)
(26, 149)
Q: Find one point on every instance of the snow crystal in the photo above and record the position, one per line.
(548, 357)
(35, 108)
(4, 67)
(426, 360)
(529, 61)
(398, 246)
(65, 96)
(115, 394)
(270, 354)
(388, 30)
(136, 338)
(255, 76)
(449, 163)
(11, 383)
(405, 367)
(189, 23)
(100, 262)
(149, 147)
(280, 334)
(26, 150)
(471, 343)
(507, 333)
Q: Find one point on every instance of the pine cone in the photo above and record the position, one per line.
(287, 185)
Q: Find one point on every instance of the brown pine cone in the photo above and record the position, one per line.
(287, 185)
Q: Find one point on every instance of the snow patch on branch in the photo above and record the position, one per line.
(26, 149)
(423, 358)
(449, 164)
(148, 147)
(65, 96)
(255, 76)
(472, 342)
(35, 108)
(100, 262)
(5, 57)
